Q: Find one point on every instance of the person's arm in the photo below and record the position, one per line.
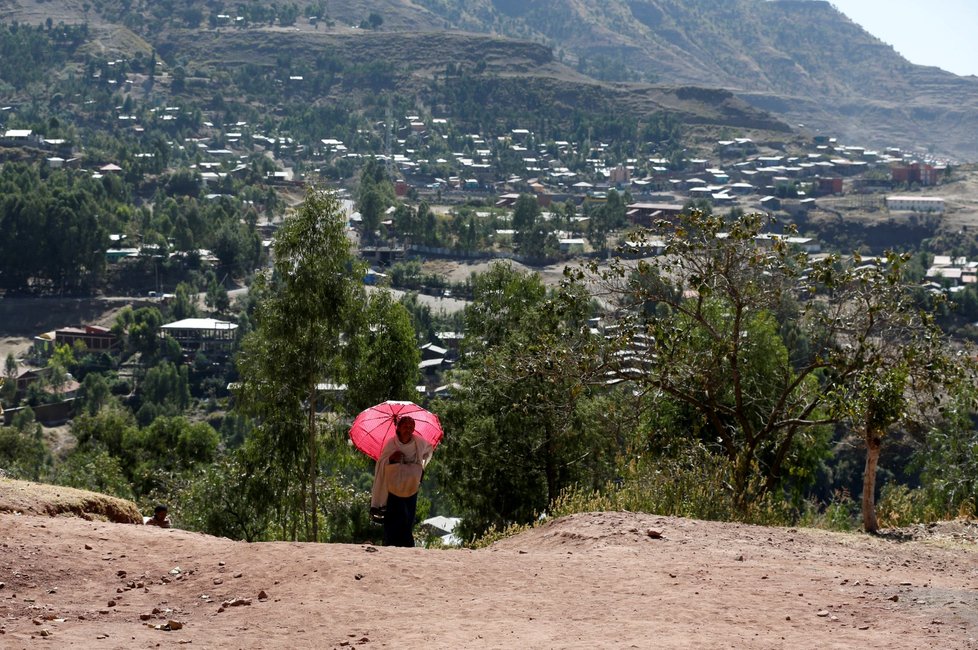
(425, 451)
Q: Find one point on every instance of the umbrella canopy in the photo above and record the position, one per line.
(377, 424)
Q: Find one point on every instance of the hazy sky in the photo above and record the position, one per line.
(929, 32)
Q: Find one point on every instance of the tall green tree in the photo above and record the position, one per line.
(519, 424)
(896, 364)
(375, 194)
(705, 326)
(8, 390)
(296, 345)
(141, 329)
(383, 356)
(530, 228)
(23, 453)
(948, 456)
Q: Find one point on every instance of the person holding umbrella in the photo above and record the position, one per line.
(397, 478)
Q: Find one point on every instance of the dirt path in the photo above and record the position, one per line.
(589, 581)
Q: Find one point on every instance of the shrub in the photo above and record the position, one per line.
(901, 506)
(96, 471)
(841, 513)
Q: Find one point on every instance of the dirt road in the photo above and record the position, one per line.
(600, 580)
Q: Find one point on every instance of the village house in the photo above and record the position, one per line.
(68, 389)
(645, 214)
(571, 245)
(920, 204)
(431, 351)
(952, 272)
(830, 185)
(919, 173)
(507, 200)
(450, 340)
(92, 337)
(19, 138)
(201, 334)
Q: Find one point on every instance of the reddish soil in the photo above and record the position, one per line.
(601, 580)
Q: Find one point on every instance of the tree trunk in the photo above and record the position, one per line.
(741, 479)
(874, 441)
(301, 511)
(313, 463)
(550, 467)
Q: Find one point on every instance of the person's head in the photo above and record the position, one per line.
(160, 512)
(405, 427)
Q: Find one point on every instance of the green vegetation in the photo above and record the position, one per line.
(295, 347)
(730, 378)
(756, 354)
(719, 383)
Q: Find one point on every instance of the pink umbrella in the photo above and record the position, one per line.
(377, 424)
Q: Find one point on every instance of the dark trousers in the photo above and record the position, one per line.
(399, 520)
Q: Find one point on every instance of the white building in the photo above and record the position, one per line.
(201, 334)
(915, 204)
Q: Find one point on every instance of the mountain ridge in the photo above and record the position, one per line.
(817, 66)
(503, 58)
(801, 60)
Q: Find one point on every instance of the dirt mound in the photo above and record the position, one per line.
(600, 529)
(24, 497)
(958, 531)
(600, 580)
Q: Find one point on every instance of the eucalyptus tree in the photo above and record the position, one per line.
(375, 193)
(8, 388)
(307, 307)
(382, 354)
(530, 228)
(518, 432)
(764, 348)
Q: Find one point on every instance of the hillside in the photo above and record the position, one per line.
(500, 81)
(803, 61)
(586, 581)
(521, 80)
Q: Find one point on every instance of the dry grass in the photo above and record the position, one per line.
(25, 497)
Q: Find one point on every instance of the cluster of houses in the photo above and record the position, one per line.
(951, 274)
(431, 158)
(212, 337)
(194, 335)
(416, 153)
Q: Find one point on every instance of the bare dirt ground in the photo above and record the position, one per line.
(456, 271)
(961, 196)
(600, 580)
(29, 498)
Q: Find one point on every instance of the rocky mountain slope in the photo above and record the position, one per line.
(800, 59)
(511, 81)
